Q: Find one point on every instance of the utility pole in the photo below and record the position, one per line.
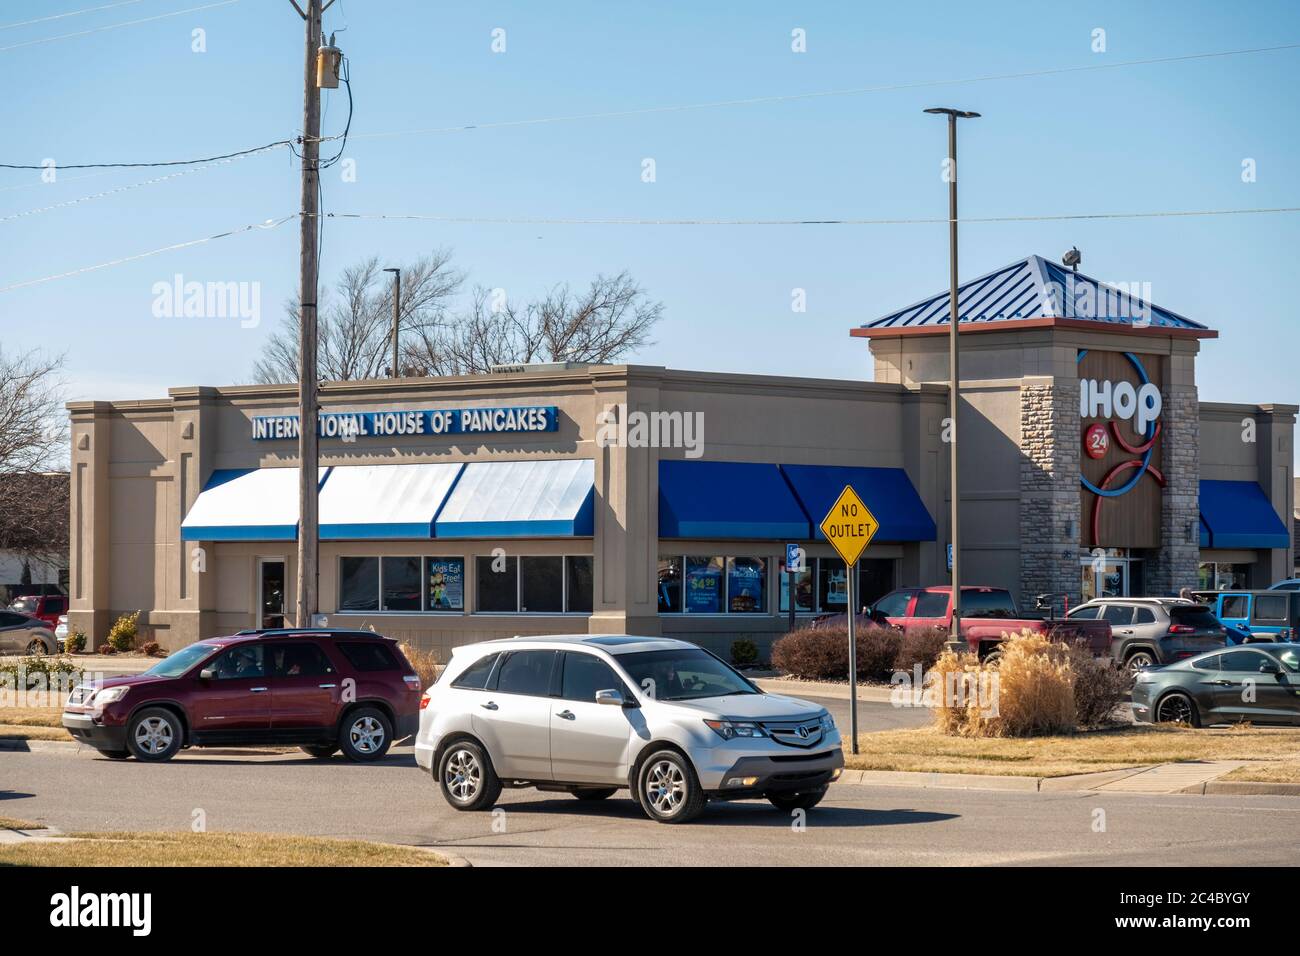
(308, 406)
(397, 299)
(954, 384)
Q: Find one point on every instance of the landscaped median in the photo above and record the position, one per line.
(33, 723)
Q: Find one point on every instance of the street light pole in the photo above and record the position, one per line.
(397, 298)
(954, 383)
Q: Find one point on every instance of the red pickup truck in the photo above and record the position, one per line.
(986, 614)
(43, 607)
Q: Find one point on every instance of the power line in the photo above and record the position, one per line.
(267, 224)
(858, 91)
(177, 162)
(114, 26)
(549, 221)
(70, 13)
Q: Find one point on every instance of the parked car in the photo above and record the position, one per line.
(20, 634)
(61, 632)
(986, 615)
(43, 607)
(1271, 615)
(1290, 584)
(1259, 683)
(324, 690)
(590, 715)
(1150, 631)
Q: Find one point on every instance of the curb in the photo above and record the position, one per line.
(866, 692)
(1245, 787)
(930, 780)
(26, 744)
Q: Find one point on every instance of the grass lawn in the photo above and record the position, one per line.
(1274, 771)
(210, 849)
(13, 823)
(928, 750)
(33, 723)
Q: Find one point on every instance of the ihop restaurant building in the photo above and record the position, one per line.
(609, 499)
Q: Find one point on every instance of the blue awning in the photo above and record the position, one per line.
(888, 492)
(258, 504)
(727, 499)
(1239, 515)
(520, 499)
(384, 501)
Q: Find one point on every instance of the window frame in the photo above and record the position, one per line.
(424, 608)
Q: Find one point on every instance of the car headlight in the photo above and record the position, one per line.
(731, 729)
(827, 722)
(109, 695)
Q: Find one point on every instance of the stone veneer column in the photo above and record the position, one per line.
(1050, 440)
(1174, 565)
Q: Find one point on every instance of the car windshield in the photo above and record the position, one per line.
(178, 663)
(685, 674)
(1290, 660)
(24, 604)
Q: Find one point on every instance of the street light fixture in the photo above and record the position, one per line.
(954, 384)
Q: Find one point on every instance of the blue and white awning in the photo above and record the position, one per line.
(259, 504)
(520, 499)
(384, 501)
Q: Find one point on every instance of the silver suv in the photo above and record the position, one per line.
(1146, 632)
(589, 715)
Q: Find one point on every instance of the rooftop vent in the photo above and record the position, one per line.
(535, 367)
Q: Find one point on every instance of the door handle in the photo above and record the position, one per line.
(257, 690)
(489, 706)
(1224, 683)
(327, 685)
(566, 714)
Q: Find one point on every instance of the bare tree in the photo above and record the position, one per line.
(355, 328)
(608, 321)
(33, 441)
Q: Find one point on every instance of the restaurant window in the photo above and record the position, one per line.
(400, 580)
(578, 583)
(445, 583)
(804, 599)
(746, 585)
(670, 585)
(704, 584)
(1220, 576)
(497, 585)
(541, 585)
(358, 584)
(832, 586)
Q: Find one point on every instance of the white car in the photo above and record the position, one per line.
(61, 632)
(592, 714)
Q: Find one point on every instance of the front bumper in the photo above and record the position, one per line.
(779, 773)
(98, 735)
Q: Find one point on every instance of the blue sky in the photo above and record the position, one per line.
(1166, 136)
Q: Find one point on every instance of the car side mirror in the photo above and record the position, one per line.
(612, 697)
(1270, 667)
(208, 673)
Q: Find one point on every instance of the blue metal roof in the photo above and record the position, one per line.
(1034, 288)
(1239, 515)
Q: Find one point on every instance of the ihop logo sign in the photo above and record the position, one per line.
(1140, 404)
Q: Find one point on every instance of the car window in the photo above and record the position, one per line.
(931, 604)
(25, 604)
(1119, 615)
(1209, 662)
(298, 659)
(1194, 615)
(584, 674)
(174, 665)
(993, 603)
(9, 619)
(683, 674)
(56, 606)
(1088, 612)
(1271, 607)
(526, 672)
(1144, 615)
(1241, 661)
(475, 676)
(894, 605)
(1291, 659)
(1235, 606)
(247, 660)
(368, 655)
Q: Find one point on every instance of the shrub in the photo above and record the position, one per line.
(1099, 687)
(823, 653)
(920, 646)
(75, 642)
(123, 632)
(424, 662)
(106, 649)
(744, 653)
(151, 649)
(39, 671)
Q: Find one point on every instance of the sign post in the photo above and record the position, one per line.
(794, 558)
(849, 526)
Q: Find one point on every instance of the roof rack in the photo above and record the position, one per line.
(317, 631)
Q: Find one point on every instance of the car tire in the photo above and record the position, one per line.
(365, 734)
(595, 793)
(1138, 660)
(1176, 708)
(115, 754)
(321, 752)
(668, 789)
(796, 801)
(154, 734)
(36, 648)
(466, 777)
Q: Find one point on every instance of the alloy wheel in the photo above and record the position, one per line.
(665, 787)
(35, 648)
(1139, 661)
(367, 735)
(462, 775)
(153, 735)
(1175, 709)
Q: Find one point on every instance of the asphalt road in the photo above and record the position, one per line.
(394, 801)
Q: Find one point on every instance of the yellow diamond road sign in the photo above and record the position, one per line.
(849, 526)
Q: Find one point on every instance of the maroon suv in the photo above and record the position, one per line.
(324, 690)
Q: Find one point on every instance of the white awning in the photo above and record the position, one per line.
(384, 501)
(260, 504)
(517, 499)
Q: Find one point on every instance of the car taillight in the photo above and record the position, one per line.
(1181, 629)
(424, 701)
